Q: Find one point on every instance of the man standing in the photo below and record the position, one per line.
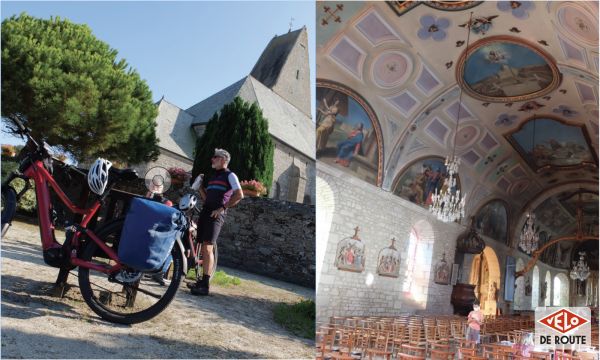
(222, 192)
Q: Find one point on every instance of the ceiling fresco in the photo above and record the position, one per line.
(548, 142)
(506, 69)
(505, 63)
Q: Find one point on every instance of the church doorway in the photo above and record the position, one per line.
(485, 275)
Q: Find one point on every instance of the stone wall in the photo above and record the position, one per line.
(270, 237)
(166, 159)
(346, 202)
(293, 175)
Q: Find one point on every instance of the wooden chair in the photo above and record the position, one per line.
(473, 357)
(443, 332)
(466, 351)
(402, 356)
(416, 335)
(441, 355)
(440, 346)
(324, 345)
(561, 355)
(466, 344)
(380, 347)
(498, 355)
(413, 350)
(542, 355)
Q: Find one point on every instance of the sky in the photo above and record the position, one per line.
(186, 51)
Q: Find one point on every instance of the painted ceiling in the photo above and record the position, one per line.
(525, 74)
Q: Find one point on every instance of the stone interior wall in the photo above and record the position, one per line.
(351, 202)
(271, 237)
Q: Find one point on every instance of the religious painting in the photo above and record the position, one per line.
(492, 221)
(552, 215)
(546, 141)
(442, 272)
(509, 279)
(348, 133)
(506, 69)
(389, 261)
(351, 254)
(420, 180)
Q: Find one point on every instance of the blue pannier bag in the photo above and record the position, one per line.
(149, 233)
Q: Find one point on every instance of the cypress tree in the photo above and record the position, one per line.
(240, 128)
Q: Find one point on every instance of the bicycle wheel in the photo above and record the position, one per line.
(125, 303)
(9, 207)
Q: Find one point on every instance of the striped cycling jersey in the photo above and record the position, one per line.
(219, 189)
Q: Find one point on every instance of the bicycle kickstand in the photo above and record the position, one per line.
(60, 286)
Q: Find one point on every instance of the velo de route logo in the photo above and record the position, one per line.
(568, 327)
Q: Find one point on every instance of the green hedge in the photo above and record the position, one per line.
(27, 204)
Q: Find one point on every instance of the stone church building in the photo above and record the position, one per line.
(280, 84)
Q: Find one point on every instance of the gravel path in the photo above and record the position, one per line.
(234, 322)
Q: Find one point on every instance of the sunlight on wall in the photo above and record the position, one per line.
(324, 217)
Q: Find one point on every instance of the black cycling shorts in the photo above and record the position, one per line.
(209, 228)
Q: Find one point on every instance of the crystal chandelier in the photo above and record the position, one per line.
(529, 239)
(581, 270)
(448, 204)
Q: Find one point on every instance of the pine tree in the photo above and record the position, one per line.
(241, 129)
(70, 89)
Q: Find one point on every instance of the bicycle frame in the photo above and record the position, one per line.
(42, 178)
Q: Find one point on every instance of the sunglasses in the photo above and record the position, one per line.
(216, 157)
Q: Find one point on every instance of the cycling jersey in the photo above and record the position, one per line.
(220, 188)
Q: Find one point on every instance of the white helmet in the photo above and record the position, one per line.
(188, 201)
(98, 175)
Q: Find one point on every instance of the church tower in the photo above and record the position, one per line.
(283, 67)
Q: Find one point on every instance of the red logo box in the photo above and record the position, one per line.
(563, 321)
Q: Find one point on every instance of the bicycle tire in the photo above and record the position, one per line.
(9, 207)
(96, 301)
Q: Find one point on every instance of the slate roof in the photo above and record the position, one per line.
(286, 122)
(173, 125)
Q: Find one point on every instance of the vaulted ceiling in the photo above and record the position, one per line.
(525, 73)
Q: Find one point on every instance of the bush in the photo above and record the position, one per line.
(298, 318)
(28, 202)
(240, 128)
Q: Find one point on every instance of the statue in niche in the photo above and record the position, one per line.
(544, 290)
(527, 287)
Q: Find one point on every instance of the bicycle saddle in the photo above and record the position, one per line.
(123, 174)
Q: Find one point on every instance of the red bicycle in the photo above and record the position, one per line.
(94, 252)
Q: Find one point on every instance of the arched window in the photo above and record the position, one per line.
(560, 289)
(556, 287)
(418, 266)
(535, 291)
(410, 260)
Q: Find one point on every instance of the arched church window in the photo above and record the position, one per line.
(418, 262)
